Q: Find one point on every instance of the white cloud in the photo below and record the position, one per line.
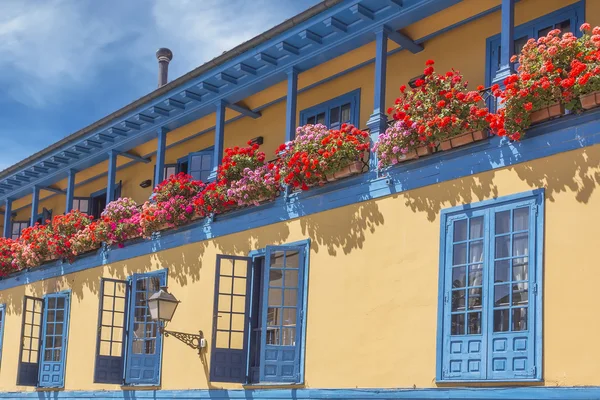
(49, 47)
(58, 45)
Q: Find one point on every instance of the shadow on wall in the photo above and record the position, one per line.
(574, 171)
(343, 229)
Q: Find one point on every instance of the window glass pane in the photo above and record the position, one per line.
(519, 318)
(501, 318)
(476, 251)
(521, 219)
(84, 205)
(502, 271)
(502, 222)
(520, 270)
(321, 118)
(458, 300)
(544, 31)
(564, 26)
(474, 323)
(460, 230)
(460, 254)
(476, 275)
(311, 120)
(458, 277)
(503, 246)
(476, 229)
(457, 324)
(501, 295)
(334, 115)
(521, 244)
(519, 43)
(346, 113)
(207, 162)
(475, 298)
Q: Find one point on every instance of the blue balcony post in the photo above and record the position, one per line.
(377, 123)
(35, 202)
(70, 190)
(219, 138)
(290, 105)
(7, 218)
(506, 42)
(112, 176)
(159, 173)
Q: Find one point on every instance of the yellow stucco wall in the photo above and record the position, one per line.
(372, 302)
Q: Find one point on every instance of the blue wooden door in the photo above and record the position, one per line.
(54, 340)
(229, 355)
(110, 342)
(144, 341)
(512, 344)
(200, 164)
(282, 317)
(31, 332)
(466, 270)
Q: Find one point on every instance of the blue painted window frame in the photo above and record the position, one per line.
(574, 12)
(535, 200)
(187, 159)
(2, 323)
(109, 368)
(131, 364)
(352, 97)
(255, 293)
(54, 369)
(78, 200)
(21, 225)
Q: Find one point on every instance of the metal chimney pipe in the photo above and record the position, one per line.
(164, 56)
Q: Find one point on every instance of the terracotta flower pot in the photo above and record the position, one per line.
(411, 155)
(590, 100)
(462, 139)
(350, 169)
(546, 113)
(445, 145)
(423, 151)
(479, 135)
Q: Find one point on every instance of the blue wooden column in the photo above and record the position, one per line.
(7, 218)
(291, 104)
(70, 190)
(159, 173)
(112, 176)
(35, 203)
(506, 42)
(219, 138)
(377, 123)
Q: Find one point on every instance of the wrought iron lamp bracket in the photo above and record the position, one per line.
(194, 341)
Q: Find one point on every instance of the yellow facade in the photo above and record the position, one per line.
(373, 293)
(374, 266)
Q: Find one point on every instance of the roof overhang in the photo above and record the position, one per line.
(332, 32)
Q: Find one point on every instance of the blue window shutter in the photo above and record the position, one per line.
(110, 342)
(282, 314)
(464, 346)
(54, 340)
(2, 322)
(144, 341)
(200, 164)
(31, 331)
(229, 354)
(512, 324)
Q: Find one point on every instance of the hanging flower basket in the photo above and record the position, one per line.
(590, 100)
(544, 114)
(349, 170)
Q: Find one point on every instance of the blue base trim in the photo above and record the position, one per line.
(564, 134)
(520, 393)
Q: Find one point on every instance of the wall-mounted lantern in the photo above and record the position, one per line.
(162, 306)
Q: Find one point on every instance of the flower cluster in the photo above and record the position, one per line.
(6, 256)
(317, 151)
(255, 185)
(237, 160)
(213, 199)
(396, 143)
(438, 108)
(555, 69)
(172, 204)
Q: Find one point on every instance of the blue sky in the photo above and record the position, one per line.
(67, 63)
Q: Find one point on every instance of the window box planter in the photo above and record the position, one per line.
(462, 140)
(552, 111)
(349, 170)
(590, 100)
